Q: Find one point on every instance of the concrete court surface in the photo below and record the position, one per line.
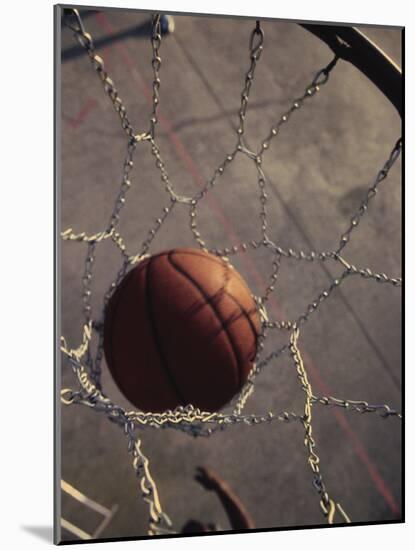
(318, 169)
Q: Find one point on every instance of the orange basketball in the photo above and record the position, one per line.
(181, 328)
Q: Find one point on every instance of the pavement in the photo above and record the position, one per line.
(318, 170)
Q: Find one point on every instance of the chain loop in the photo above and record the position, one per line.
(327, 505)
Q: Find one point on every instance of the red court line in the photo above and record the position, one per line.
(85, 110)
(90, 104)
(323, 388)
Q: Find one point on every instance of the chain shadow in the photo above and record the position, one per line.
(137, 31)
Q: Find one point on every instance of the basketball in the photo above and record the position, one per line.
(181, 328)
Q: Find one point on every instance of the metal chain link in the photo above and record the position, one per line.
(384, 411)
(256, 47)
(255, 50)
(159, 521)
(187, 418)
(85, 39)
(320, 79)
(371, 193)
(328, 505)
(87, 367)
(156, 64)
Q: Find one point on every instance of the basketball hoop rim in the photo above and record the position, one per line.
(352, 45)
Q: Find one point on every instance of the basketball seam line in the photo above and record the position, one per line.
(218, 260)
(215, 311)
(198, 306)
(247, 315)
(226, 279)
(242, 312)
(156, 336)
(235, 317)
(200, 253)
(222, 291)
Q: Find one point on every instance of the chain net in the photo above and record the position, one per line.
(86, 365)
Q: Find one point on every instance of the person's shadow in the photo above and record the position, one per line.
(44, 532)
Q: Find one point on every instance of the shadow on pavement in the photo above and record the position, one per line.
(44, 532)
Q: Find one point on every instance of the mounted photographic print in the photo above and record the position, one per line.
(229, 257)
